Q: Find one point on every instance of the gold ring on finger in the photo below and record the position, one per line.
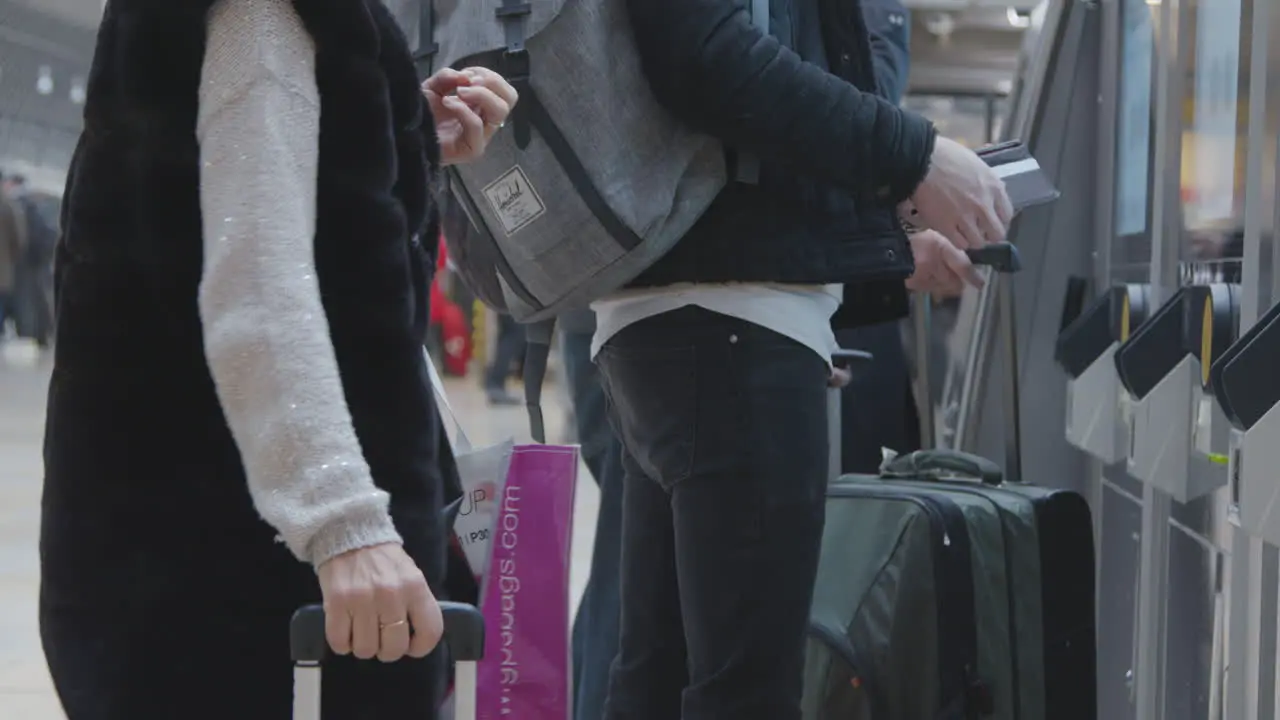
(398, 623)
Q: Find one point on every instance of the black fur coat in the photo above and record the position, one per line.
(145, 501)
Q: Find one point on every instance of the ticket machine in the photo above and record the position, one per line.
(1086, 351)
(1212, 325)
(1246, 384)
(1178, 438)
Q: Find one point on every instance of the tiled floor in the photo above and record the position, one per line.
(25, 691)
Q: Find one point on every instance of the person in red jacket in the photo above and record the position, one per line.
(449, 322)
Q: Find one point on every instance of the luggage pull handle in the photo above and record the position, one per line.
(1004, 260)
(846, 358)
(1002, 257)
(463, 631)
(942, 464)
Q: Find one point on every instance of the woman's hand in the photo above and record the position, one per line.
(378, 604)
(468, 106)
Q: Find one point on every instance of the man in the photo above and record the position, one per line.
(716, 359)
(13, 244)
(508, 348)
(882, 391)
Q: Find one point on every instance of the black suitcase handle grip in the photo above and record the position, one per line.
(1002, 257)
(463, 631)
(931, 464)
(845, 358)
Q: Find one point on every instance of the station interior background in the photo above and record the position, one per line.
(1139, 108)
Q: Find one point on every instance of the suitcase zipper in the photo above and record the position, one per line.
(840, 644)
(957, 633)
(1009, 595)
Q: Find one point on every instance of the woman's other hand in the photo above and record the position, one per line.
(377, 604)
(468, 106)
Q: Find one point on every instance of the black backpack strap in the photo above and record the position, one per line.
(539, 336)
(427, 46)
(515, 65)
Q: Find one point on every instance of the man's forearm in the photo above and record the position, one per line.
(719, 74)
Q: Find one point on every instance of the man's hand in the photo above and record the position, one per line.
(941, 268)
(468, 106)
(840, 377)
(377, 604)
(961, 197)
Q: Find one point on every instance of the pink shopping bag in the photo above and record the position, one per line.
(525, 673)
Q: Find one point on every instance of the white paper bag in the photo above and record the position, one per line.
(483, 472)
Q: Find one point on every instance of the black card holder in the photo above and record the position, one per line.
(1026, 182)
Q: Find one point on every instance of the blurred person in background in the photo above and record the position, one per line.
(595, 629)
(508, 350)
(13, 232)
(1223, 247)
(33, 275)
(13, 184)
(240, 417)
(449, 338)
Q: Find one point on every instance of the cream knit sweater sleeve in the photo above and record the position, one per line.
(265, 331)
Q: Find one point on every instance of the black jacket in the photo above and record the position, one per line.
(837, 158)
(889, 28)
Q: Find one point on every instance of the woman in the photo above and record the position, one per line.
(239, 403)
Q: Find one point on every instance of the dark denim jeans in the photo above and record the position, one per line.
(595, 629)
(724, 428)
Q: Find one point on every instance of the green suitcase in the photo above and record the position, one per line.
(932, 602)
(946, 592)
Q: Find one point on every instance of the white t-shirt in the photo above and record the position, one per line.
(800, 312)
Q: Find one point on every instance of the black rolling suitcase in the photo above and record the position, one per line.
(949, 589)
(463, 636)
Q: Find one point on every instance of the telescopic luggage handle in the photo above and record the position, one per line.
(463, 631)
(1004, 259)
(846, 358)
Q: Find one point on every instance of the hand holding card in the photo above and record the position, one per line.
(962, 198)
(968, 209)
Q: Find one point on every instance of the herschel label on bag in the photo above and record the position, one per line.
(514, 200)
